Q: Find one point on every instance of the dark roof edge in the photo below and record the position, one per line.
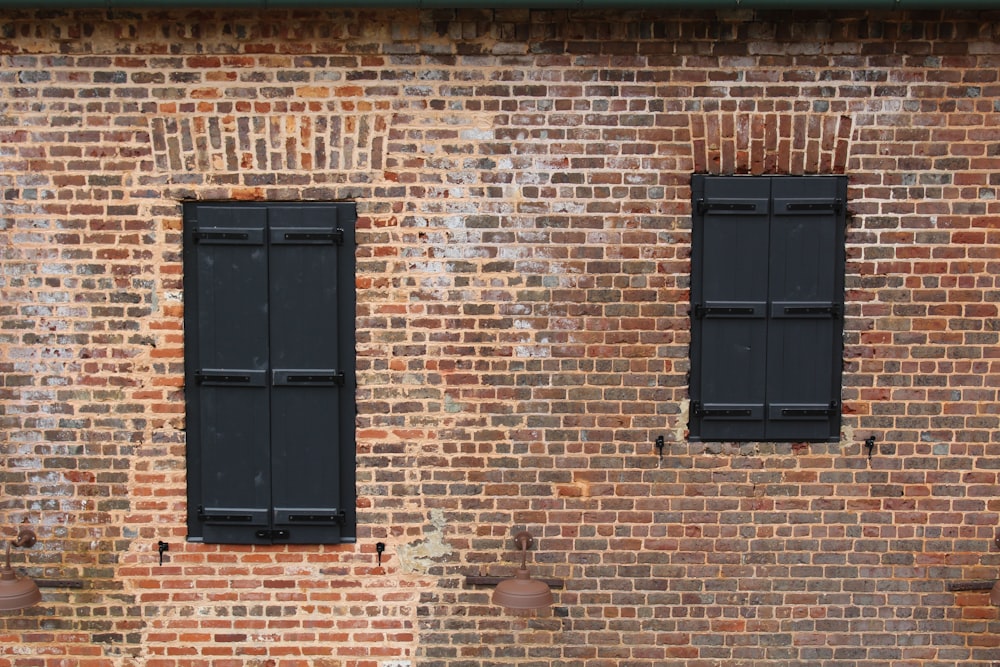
(823, 5)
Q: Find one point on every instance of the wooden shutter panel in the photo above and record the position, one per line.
(227, 335)
(269, 368)
(767, 307)
(308, 376)
(807, 302)
(729, 296)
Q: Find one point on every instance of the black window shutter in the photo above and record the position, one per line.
(227, 338)
(729, 296)
(269, 322)
(806, 314)
(767, 307)
(308, 374)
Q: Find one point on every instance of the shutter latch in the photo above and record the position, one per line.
(272, 534)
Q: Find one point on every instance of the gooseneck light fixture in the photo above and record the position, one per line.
(995, 594)
(995, 591)
(17, 592)
(523, 592)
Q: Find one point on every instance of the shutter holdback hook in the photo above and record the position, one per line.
(162, 546)
(870, 446)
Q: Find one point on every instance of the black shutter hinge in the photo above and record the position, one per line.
(704, 206)
(835, 205)
(700, 410)
(728, 412)
(334, 236)
(832, 410)
(337, 378)
(833, 310)
(227, 378)
(293, 378)
(221, 236)
(222, 518)
(339, 517)
(701, 310)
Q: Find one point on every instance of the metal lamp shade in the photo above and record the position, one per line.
(522, 592)
(15, 592)
(995, 594)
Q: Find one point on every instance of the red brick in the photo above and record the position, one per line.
(524, 238)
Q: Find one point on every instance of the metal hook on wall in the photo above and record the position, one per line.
(162, 546)
(870, 446)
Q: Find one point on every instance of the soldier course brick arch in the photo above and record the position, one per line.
(763, 142)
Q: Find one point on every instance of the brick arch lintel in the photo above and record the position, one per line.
(770, 143)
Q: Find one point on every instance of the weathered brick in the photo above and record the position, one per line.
(524, 240)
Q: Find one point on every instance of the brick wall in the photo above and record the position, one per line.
(522, 185)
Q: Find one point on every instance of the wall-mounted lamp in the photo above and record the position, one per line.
(995, 591)
(523, 592)
(17, 592)
(995, 594)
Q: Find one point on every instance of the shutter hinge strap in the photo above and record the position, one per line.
(339, 517)
(835, 205)
(313, 236)
(701, 310)
(832, 410)
(221, 377)
(702, 411)
(704, 206)
(223, 518)
(832, 310)
(221, 236)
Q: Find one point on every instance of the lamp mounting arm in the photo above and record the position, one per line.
(25, 538)
(524, 541)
